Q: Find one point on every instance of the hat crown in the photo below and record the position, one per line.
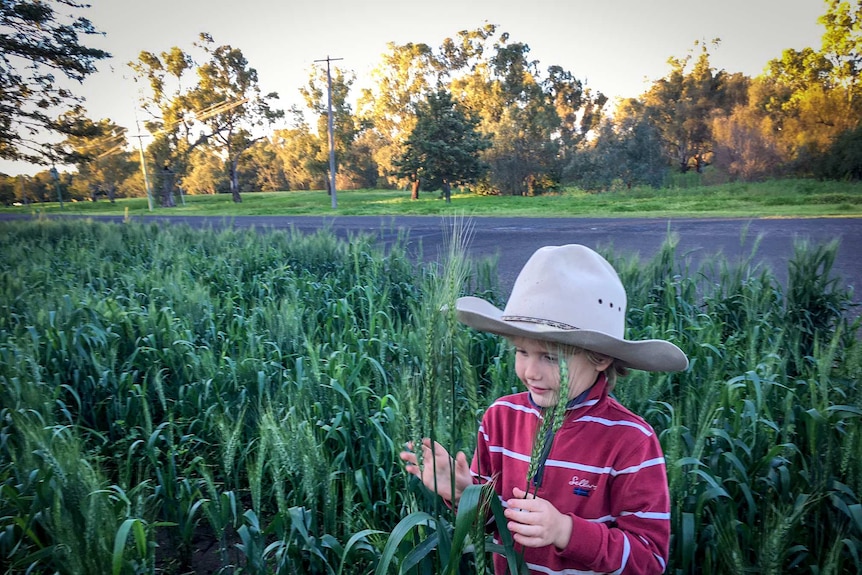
(569, 287)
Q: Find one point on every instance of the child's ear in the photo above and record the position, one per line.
(602, 361)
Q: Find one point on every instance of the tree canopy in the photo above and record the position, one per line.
(443, 148)
(38, 41)
(219, 110)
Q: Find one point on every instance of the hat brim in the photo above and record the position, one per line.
(648, 355)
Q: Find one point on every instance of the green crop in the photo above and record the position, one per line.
(170, 396)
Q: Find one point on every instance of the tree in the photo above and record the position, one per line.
(524, 156)
(170, 121)
(36, 42)
(262, 168)
(353, 169)
(101, 159)
(220, 109)
(402, 79)
(228, 101)
(807, 105)
(745, 147)
(205, 174)
(843, 159)
(842, 43)
(628, 150)
(443, 148)
(301, 154)
(681, 106)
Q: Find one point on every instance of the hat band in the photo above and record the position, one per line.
(540, 321)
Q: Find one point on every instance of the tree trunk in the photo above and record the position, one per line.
(414, 193)
(167, 188)
(234, 183)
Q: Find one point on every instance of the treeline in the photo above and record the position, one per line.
(537, 127)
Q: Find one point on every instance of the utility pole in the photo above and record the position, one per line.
(331, 136)
(140, 138)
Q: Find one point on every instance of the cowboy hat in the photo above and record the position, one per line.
(571, 295)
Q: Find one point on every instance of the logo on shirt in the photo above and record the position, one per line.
(581, 486)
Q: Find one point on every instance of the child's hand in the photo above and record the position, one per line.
(535, 522)
(442, 465)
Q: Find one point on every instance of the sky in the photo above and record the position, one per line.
(618, 47)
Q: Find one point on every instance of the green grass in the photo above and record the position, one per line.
(778, 198)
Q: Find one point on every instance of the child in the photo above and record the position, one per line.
(598, 501)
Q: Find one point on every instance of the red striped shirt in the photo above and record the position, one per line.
(605, 469)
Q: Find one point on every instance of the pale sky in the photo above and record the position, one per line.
(618, 47)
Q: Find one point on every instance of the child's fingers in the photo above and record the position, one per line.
(521, 494)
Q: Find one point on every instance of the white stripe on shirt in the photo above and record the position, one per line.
(611, 423)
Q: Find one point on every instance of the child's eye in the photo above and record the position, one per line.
(551, 358)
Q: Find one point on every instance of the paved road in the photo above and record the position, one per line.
(513, 240)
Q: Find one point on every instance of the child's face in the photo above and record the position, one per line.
(537, 366)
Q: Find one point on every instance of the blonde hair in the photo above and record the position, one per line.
(613, 371)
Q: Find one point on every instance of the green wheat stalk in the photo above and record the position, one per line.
(552, 419)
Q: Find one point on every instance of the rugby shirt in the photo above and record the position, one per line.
(605, 469)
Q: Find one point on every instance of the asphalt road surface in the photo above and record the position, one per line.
(513, 240)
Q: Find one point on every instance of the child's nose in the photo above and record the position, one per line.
(531, 369)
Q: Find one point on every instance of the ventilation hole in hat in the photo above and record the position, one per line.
(600, 301)
(611, 305)
(619, 309)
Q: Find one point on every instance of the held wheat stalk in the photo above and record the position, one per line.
(551, 421)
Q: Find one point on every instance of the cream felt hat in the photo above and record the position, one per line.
(573, 296)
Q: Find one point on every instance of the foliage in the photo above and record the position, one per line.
(680, 105)
(228, 92)
(443, 149)
(102, 161)
(220, 110)
(843, 159)
(37, 41)
(628, 151)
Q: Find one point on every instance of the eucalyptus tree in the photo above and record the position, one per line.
(806, 105)
(229, 102)
(38, 41)
(261, 167)
(8, 185)
(681, 106)
(443, 148)
(351, 170)
(842, 44)
(220, 109)
(524, 154)
(301, 154)
(206, 173)
(173, 124)
(580, 112)
(627, 151)
(533, 122)
(746, 146)
(101, 158)
(406, 73)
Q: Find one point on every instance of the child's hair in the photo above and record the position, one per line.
(615, 370)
